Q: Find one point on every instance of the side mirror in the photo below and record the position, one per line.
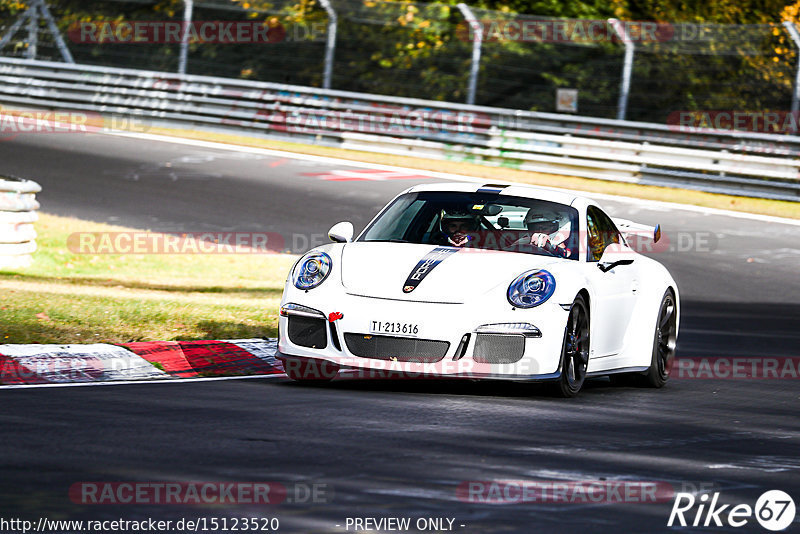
(341, 232)
(614, 255)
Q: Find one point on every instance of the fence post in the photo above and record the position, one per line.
(60, 44)
(627, 68)
(477, 43)
(792, 29)
(330, 45)
(33, 32)
(188, 7)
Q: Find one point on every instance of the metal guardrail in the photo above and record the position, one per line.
(740, 163)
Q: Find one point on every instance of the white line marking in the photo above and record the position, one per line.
(127, 382)
(447, 176)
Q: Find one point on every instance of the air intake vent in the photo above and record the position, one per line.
(402, 348)
(307, 332)
(496, 348)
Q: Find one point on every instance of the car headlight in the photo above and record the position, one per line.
(531, 288)
(311, 270)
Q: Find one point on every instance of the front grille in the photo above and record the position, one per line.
(496, 348)
(307, 332)
(404, 349)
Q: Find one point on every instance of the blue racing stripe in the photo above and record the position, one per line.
(426, 265)
(491, 188)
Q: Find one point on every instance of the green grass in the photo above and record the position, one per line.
(65, 297)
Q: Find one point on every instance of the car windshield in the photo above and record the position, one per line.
(488, 221)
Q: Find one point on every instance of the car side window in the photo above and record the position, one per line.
(601, 232)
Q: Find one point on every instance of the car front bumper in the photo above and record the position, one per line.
(443, 330)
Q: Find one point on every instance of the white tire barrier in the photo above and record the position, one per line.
(18, 207)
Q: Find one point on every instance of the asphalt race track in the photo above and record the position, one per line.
(403, 448)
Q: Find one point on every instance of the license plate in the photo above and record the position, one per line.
(394, 327)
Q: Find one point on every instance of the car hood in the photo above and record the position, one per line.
(382, 270)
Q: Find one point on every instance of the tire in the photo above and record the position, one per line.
(574, 350)
(665, 336)
(309, 370)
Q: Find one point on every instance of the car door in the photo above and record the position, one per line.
(614, 292)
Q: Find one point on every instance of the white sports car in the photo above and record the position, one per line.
(482, 282)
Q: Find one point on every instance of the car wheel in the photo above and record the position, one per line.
(309, 370)
(574, 350)
(664, 341)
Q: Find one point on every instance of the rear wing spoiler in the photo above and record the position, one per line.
(630, 229)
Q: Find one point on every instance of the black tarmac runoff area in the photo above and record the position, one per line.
(352, 455)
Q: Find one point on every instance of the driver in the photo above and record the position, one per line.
(456, 226)
(549, 230)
